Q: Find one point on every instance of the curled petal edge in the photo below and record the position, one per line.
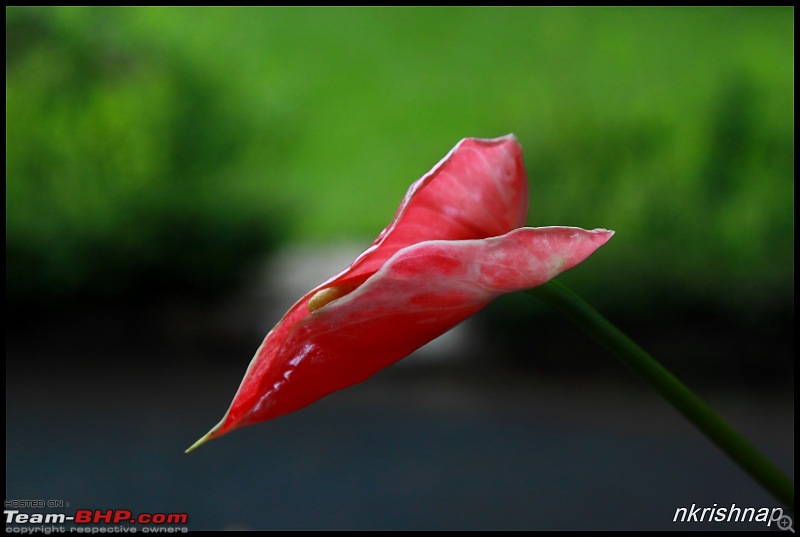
(478, 190)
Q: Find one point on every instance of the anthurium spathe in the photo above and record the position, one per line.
(455, 244)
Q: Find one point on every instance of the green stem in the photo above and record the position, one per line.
(673, 390)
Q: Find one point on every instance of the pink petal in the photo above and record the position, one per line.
(420, 293)
(478, 190)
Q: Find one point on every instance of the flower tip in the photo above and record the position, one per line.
(210, 435)
(199, 443)
(604, 234)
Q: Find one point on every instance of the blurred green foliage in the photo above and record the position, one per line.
(180, 141)
(118, 164)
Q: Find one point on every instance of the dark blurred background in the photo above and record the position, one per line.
(177, 177)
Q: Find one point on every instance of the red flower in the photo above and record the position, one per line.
(454, 245)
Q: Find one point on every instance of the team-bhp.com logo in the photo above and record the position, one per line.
(86, 520)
